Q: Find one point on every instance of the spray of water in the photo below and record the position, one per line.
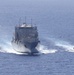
(45, 50)
(65, 45)
(6, 47)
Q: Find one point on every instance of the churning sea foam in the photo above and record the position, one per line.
(45, 50)
(65, 45)
(7, 48)
(62, 44)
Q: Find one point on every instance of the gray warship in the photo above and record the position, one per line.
(26, 39)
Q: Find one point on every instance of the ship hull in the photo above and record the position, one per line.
(25, 39)
(26, 48)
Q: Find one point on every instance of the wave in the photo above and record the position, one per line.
(53, 47)
(45, 50)
(66, 46)
(61, 45)
(7, 48)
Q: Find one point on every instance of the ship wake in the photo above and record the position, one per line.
(52, 46)
(45, 50)
(66, 46)
(7, 48)
(61, 45)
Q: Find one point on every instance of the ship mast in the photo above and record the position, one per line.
(25, 20)
(31, 21)
(19, 21)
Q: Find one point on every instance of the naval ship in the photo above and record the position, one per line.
(26, 39)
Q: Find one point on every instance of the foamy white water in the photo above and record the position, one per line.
(66, 45)
(43, 49)
(7, 48)
(60, 43)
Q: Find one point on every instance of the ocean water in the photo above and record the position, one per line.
(55, 22)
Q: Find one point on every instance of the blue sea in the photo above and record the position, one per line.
(55, 22)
